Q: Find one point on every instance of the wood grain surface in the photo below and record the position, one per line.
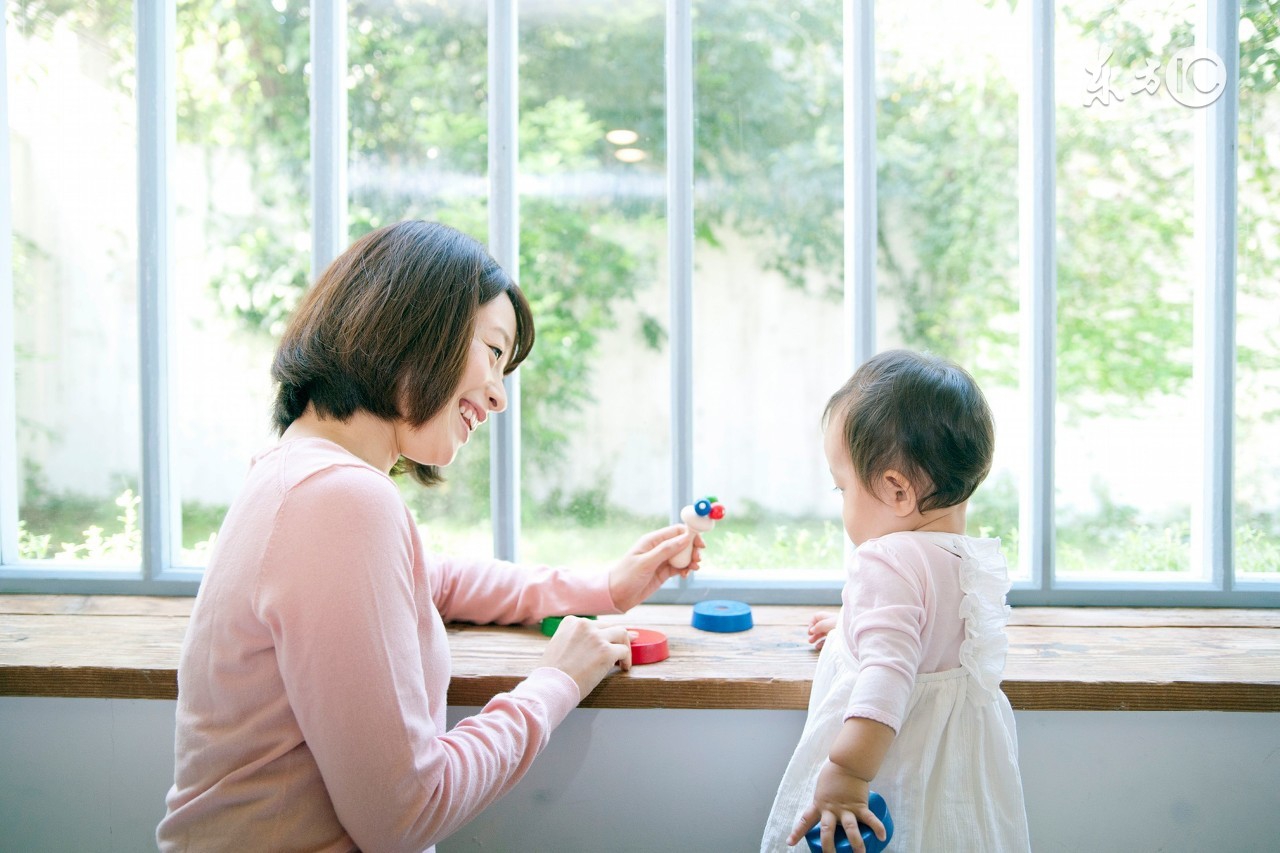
(1059, 658)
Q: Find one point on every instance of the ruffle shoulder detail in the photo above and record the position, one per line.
(984, 582)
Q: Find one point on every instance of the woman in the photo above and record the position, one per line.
(314, 674)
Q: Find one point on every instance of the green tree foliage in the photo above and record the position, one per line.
(766, 76)
(768, 166)
(947, 214)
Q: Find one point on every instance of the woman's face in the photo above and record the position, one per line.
(479, 392)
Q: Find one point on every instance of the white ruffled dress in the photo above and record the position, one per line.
(951, 778)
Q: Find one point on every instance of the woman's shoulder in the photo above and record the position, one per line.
(314, 469)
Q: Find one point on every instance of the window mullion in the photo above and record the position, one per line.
(504, 244)
(1211, 530)
(859, 72)
(680, 142)
(328, 132)
(1038, 285)
(860, 180)
(161, 519)
(8, 353)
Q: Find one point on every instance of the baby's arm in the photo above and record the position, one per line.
(883, 605)
(844, 784)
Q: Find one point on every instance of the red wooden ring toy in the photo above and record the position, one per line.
(648, 646)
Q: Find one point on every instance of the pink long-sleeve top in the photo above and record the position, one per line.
(902, 605)
(313, 678)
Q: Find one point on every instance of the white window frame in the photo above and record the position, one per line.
(1215, 240)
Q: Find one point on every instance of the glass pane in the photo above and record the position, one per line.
(769, 338)
(595, 438)
(72, 126)
(1127, 457)
(1257, 473)
(947, 275)
(418, 150)
(242, 242)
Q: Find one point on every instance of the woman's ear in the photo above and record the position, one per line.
(897, 492)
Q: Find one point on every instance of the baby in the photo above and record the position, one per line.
(906, 699)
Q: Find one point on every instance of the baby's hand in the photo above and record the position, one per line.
(820, 624)
(840, 796)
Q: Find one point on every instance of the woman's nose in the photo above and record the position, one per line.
(497, 395)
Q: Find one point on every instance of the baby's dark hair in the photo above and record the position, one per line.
(921, 415)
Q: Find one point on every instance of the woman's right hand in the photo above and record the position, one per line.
(587, 652)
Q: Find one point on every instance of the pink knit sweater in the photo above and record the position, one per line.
(314, 674)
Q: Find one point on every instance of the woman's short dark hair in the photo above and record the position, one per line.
(921, 415)
(388, 326)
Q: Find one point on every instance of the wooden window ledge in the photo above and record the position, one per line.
(1060, 659)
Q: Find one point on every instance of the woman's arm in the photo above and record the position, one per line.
(486, 591)
(363, 665)
(496, 592)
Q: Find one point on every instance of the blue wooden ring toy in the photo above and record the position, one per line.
(722, 616)
(874, 845)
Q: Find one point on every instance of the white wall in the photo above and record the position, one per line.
(86, 774)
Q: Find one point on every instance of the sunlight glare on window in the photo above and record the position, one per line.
(72, 131)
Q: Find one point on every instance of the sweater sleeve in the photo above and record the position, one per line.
(496, 592)
(338, 595)
(886, 604)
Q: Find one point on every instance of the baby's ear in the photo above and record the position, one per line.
(897, 492)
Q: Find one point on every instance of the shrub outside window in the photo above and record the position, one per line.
(1049, 205)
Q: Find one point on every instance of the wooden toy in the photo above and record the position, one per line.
(648, 646)
(699, 517)
(722, 616)
(551, 623)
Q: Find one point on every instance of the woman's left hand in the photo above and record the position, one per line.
(648, 564)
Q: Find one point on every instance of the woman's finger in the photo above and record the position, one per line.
(619, 640)
(668, 548)
(653, 538)
(620, 644)
(616, 634)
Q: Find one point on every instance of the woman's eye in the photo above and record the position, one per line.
(497, 352)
